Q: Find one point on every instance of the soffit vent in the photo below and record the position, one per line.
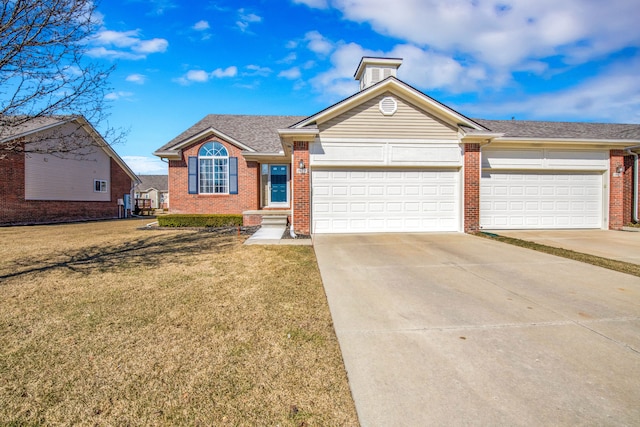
(388, 106)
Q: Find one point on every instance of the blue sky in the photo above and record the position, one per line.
(177, 61)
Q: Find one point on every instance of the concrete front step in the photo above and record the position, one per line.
(274, 220)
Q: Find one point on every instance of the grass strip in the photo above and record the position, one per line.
(611, 264)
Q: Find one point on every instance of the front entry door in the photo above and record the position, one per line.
(279, 183)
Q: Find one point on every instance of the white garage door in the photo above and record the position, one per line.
(370, 201)
(510, 200)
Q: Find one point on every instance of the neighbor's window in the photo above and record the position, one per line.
(214, 169)
(99, 186)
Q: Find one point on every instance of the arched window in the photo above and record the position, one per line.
(213, 160)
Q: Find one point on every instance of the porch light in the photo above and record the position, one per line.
(619, 169)
(301, 164)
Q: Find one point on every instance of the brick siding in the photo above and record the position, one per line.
(616, 191)
(301, 189)
(14, 209)
(471, 209)
(248, 197)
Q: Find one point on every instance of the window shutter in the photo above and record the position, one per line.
(193, 175)
(233, 175)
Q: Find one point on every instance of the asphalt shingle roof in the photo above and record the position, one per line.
(261, 132)
(257, 132)
(572, 130)
(159, 182)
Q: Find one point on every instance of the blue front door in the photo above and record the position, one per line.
(279, 183)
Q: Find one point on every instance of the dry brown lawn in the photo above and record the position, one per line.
(105, 324)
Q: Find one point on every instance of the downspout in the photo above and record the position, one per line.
(291, 232)
(635, 181)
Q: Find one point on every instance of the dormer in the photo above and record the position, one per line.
(372, 70)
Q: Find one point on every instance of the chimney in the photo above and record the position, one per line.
(373, 70)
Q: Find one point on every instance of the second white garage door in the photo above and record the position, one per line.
(517, 200)
(379, 200)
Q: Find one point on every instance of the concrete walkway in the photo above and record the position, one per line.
(452, 329)
(618, 245)
(272, 235)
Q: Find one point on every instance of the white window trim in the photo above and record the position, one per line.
(213, 166)
(100, 186)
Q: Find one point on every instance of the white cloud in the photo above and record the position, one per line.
(201, 76)
(291, 74)
(502, 35)
(114, 96)
(422, 68)
(613, 96)
(142, 165)
(291, 57)
(124, 45)
(245, 18)
(317, 4)
(201, 25)
(136, 78)
(197, 76)
(151, 46)
(317, 43)
(231, 71)
(256, 70)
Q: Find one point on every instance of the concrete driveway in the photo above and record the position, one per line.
(618, 245)
(452, 329)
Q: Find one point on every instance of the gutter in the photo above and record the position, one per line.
(635, 181)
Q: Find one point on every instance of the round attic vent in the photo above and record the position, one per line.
(388, 106)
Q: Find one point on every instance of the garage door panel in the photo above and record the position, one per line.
(541, 200)
(385, 200)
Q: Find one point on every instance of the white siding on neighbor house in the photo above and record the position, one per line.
(385, 200)
(48, 177)
(366, 121)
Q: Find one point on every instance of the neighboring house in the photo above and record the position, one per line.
(392, 159)
(154, 188)
(42, 185)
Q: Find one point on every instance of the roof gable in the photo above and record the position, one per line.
(400, 89)
(367, 120)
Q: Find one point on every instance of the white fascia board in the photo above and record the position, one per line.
(207, 132)
(267, 157)
(617, 143)
(298, 134)
(37, 130)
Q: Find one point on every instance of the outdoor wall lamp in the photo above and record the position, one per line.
(619, 169)
(301, 164)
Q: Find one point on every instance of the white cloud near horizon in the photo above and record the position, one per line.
(146, 165)
(612, 96)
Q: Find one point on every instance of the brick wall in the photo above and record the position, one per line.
(14, 209)
(628, 190)
(301, 189)
(616, 191)
(248, 197)
(472, 171)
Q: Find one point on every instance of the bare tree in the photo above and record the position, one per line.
(45, 73)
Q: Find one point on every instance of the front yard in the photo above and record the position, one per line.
(105, 324)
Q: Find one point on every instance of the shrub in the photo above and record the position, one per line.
(199, 220)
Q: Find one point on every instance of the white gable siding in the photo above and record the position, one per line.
(366, 121)
(48, 177)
